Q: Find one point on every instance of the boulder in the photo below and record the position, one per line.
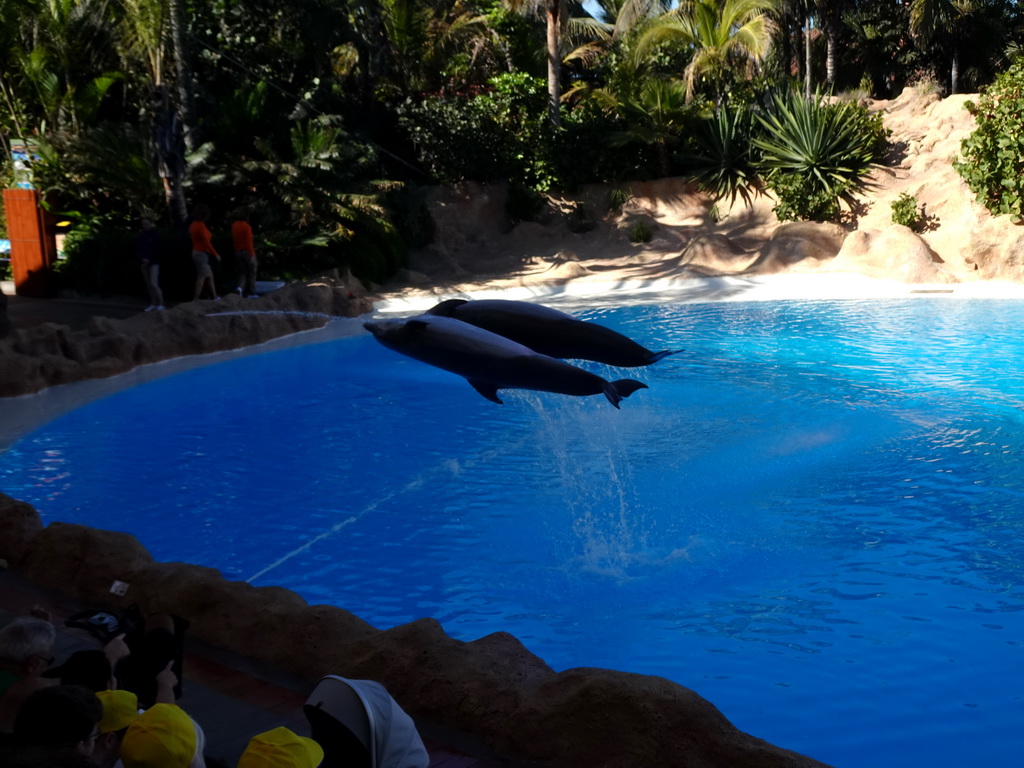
(714, 253)
(32, 359)
(19, 526)
(83, 562)
(601, 717)
(896, 253)
(492, 688)
(799, 243)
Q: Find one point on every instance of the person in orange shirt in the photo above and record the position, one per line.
(245, 254)
(202, 249)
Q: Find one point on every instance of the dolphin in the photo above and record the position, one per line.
(550, 332)
(490, 362)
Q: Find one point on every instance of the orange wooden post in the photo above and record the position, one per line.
(33, 245)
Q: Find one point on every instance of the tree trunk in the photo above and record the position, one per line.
(954, 70)
(169, 160)
(807, 56)
(183, 80)
(554, 61)
(830, 57)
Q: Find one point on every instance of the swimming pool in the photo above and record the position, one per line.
(812, 518)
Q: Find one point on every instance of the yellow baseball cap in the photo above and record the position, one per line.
(161, 737)
(281, 748)
(120, 709)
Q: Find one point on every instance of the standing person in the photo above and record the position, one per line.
(147, 252)
(202, 249)
(245, 253)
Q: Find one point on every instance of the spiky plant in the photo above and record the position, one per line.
(814, 154)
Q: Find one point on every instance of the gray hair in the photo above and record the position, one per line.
(26, 637)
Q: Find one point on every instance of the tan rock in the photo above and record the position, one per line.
(714, 253)
(622, 719)
(19, 525)
(799, 243)
(83, 562)
(46, 355)
(492, 688)
(896, 253)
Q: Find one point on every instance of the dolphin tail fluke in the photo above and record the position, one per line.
(656, 356)
(445, 309)
(487, 389)
(616, 390)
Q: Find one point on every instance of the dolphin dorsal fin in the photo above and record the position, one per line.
(487, 389)
(445, 308)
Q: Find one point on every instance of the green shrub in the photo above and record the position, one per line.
(523, 203)
(722, 164)
(617, 198)
(814, 154)
(641, 232)
(993, 155)
(580, 219)
(498, 134)
(906, 212)
(800, 201)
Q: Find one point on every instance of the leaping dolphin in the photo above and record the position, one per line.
(490, 362)
(550, 332)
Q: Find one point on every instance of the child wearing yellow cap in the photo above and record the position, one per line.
(163, 736)
(281, 748)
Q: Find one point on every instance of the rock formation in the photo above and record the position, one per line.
(492, 688)
(32, 359)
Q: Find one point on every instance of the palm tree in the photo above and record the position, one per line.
(724, 36)
(554, 17)
(931, 19)
(152, 41)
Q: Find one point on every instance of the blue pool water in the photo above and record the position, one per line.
(814, 517)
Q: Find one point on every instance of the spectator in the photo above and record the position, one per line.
(59, 717)
(359, 725)
(120, 710)
(202, 250)
(26, 650)
(163, 736)
(245, 253)
(147, 253)
(281, 748)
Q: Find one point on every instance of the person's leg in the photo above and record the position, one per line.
(199, 259)
(240, 259)
(155, 294)
(250, 277)
(145, 279)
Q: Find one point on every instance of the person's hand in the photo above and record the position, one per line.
(165, 682)
(116, 649)
(166, 676)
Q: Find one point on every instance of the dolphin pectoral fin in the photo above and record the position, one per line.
(656, 356)
(616, 390)
(445, 308)
(487, 389)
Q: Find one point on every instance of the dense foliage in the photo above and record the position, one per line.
(993, 155)
(327, 118)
